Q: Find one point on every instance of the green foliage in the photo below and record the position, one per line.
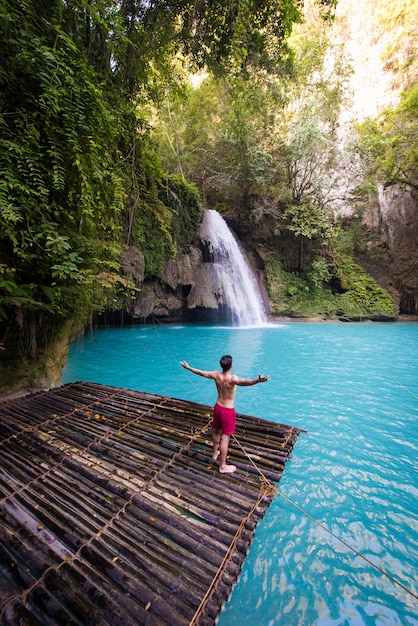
(314, 165)
(388, 144)
(184, 201)
(223, 37)
(312, 294)
(165, 218)
(306, 220)
(149, 220)
(273, 136)
(293, 295)
(318, 273)
(60, 197)
(235, 37)
(362, 295)
(152, 228)
(350, 238)
(228, 156)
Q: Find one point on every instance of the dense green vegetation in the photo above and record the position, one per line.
(341, 289)
(270, 153)
(79, 180)
(107, 143)
(388, 144)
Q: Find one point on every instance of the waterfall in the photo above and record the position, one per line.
(232, 276)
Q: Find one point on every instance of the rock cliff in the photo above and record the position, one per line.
(391, 257)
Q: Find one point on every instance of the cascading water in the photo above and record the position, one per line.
(233, 279)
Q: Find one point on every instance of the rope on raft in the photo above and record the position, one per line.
(266, 489)
(321, 525)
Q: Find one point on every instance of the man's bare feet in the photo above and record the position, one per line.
(227, 469)
(215, 456)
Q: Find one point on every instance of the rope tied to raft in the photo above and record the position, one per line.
(265, 480)
(266, 489)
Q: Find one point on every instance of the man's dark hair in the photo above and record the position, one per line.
(226, 362)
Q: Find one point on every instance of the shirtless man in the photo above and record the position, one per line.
(224, 416)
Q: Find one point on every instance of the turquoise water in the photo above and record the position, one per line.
(354, 388)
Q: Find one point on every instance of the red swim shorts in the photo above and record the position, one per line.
(224, 419)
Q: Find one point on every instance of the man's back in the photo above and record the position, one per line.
(226, 386)
(226, 383)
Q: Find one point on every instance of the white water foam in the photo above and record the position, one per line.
(235, 277)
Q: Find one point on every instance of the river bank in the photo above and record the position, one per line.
(334, 320)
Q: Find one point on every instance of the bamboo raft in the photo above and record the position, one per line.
(113, 513)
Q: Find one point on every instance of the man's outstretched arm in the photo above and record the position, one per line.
(197, 371)
(244, 382)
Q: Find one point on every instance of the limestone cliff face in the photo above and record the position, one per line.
(399, 233)
(380, 44)
(370, 33)
(168, 298)
(391, 257)
(184, 293)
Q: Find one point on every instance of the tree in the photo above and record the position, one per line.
(61, 196)
(388, 145)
